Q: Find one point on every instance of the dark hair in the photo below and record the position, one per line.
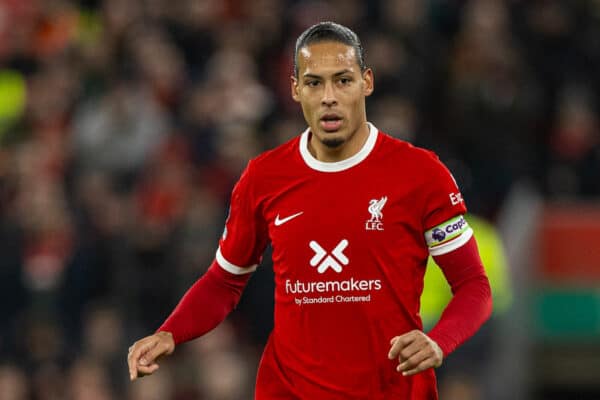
(330, 32)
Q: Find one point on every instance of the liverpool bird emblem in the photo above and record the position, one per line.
(375, 209)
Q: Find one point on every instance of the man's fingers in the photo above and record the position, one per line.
(412, 349)
(144, 353)
(416, 352)
(396, 348)
(147, 370)
(132, 363)
(415, 360)
(153, 354)
(135, 353)
(400, 342)
(425, 364)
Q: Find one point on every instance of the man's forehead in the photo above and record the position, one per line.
(327, 55)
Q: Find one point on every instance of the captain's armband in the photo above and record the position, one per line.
(448, 236)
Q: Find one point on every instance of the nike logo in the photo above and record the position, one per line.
(282, 221)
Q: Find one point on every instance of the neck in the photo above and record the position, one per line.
(344, 151)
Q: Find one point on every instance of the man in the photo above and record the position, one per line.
(352, 215)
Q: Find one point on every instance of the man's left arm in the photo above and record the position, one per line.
(471, 303)
(469, 308)
(452, 245)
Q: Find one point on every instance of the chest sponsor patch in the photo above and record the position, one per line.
(336, 288)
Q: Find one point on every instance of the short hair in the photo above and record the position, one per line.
(330, 32)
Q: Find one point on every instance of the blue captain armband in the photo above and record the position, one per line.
(448, 236)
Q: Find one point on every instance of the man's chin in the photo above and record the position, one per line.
(333, 143)
(331, 139)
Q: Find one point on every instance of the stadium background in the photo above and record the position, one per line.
(125, 123)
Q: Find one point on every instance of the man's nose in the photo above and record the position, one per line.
(328, 95)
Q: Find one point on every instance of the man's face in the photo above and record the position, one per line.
(331, 89)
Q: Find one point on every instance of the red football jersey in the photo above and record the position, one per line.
(350, 244)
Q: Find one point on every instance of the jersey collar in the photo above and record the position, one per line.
(338, 165)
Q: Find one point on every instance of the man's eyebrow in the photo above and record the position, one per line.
(311, 76)
(342, 72)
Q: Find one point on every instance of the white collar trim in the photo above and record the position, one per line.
(337, 166)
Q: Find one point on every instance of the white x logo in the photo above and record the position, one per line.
(327, 260)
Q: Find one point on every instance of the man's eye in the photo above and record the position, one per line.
(345, 81)
(312, 83)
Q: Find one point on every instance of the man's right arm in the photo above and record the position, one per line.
(218, 291)
(204, 306)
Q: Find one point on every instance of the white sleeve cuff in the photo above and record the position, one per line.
(232, 268)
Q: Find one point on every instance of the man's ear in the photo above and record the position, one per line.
(369, 82)
(294, 88)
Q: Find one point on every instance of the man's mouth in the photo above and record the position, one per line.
(331, 122)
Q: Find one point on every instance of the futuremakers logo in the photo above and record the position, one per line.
(331, 291)
(324, 261)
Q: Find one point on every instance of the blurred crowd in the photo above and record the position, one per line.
(125, 123)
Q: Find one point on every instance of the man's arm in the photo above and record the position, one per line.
(470, 307)
(202, 308)
(471, 303)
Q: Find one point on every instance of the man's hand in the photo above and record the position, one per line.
(416, 352)
(144, 354)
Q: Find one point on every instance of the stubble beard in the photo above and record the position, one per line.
(333, 143)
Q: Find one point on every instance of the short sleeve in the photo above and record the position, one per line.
(245, 235)
(443, 217)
